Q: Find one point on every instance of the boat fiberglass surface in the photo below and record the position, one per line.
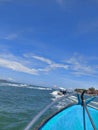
(71, 118)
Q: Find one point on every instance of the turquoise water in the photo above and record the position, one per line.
(71, 119)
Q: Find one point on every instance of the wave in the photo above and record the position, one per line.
(62, 103)
(9, 84)
(39, 88)
(56, 94)
(24, 86)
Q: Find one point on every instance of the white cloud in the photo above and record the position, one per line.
(75, 65)
(16, 66)
(79, 67)
(56, 65)
(42, 59)
(10, 61)
(51, 65)
(8, 56)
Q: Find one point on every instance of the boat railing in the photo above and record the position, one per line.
(56, 106)
(85, 109)
(65, 99)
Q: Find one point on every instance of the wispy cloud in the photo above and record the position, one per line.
(20, 64)
(38, 64)
(50, 64)
(42, 59)
(79, 67)
(16, 66)
(12, 62)
(76, 65)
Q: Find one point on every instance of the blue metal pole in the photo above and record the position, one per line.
(84, 121)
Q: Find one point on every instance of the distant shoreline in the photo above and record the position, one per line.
(91, 91)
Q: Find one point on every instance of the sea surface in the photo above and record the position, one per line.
(20, 103)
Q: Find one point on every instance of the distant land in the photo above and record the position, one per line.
(6, 81)
(90, 91)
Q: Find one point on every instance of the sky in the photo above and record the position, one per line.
(50, 43)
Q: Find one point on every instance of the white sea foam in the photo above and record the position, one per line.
(39, 88)
(24, 86)
(16, 85)
(56, 94)
(43, 88)
(63, 103)
(9, 84)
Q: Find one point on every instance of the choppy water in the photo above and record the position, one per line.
(19, 103)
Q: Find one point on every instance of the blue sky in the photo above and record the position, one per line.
(49, 42)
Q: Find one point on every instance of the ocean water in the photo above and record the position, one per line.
(20, 103)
